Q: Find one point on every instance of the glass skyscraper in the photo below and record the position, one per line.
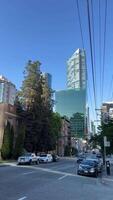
(72, 102)
(76, 70)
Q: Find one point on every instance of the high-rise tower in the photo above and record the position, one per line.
(72, 101)
(76, 70)
(7, 91)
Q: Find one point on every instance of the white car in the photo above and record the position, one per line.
(28, 158)
(45, 158)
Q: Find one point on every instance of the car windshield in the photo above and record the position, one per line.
(87, 162)
(27, 154)
(44, 155)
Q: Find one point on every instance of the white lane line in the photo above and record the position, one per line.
(22, 198)
(62, 177)
(108, 179)
(54, 171)
(26, 173)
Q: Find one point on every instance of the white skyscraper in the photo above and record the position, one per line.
(7, 91)
(76, 70)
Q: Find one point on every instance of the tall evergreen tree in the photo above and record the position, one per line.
(36, 100)
(19, 143)
(7, 146)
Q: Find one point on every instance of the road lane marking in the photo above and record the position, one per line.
(108, 179)
(26, 173)
(56, 172)
(62, 177)
(22, 198)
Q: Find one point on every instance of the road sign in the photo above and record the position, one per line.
(107, 144)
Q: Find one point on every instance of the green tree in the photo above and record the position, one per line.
(19, 144)
(11, 141)
(67, 150)
(7, 146)
(56, 124)
(35, 96)
(103, 130)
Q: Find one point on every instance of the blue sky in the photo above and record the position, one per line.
(48, 31)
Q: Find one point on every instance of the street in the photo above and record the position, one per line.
(51, 181)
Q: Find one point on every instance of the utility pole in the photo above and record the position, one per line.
(104, 157)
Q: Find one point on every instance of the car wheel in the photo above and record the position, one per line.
(18, 163)
(96, 174)
(30, 162)
(37, 162)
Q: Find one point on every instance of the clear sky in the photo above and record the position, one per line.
(48, 31)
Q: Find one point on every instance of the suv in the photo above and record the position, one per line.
(45, 158)
(28, 158)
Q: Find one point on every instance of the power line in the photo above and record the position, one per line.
(92, 64)
(90, 97)
(110, 87)
(93, 31)
(80, 23)
(104, 47)
(100, 67)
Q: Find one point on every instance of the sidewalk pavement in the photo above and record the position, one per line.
(104, 173)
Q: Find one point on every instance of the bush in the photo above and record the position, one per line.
(67, 151)
(7, 146)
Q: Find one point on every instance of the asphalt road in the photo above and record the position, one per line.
(54, 181)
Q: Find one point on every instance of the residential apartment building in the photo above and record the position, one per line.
(65, 137)
(107, 112)
(7, 91)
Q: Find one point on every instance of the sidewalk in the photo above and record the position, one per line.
(104, 174)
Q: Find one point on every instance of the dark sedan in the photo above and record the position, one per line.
(88, 168)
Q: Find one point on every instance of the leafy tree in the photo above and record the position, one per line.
(11, 141)
(67, 151)
(103, 130)
(7, 146)
(74, 151)
(35, 96)
(19, 144)
(56, 123)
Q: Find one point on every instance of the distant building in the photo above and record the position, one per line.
(65, 137)
(7, 91)
(107, 112)
(73, 100)
(76, 70)
(93, 129)
(48, 79)
(70, 102)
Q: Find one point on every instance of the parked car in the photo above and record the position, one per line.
(98, 162)
(45, 158)
(28, 158)
(81, 158)
(88, 168)
(55, 157)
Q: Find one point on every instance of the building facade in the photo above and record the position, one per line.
(65, 137)
(69, 102)
(76, 70)
(7, 91)
(107, 112)
(48, 79)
